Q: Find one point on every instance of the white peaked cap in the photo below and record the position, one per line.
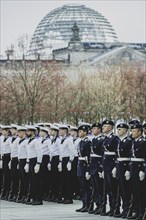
(31, 127)
(21, 128)
(44, 129)
(73, 128)
(5, 126)
(54, 127)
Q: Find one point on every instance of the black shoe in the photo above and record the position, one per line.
(109, 213)
(37, 203)
(79, 210)
(84, 209)
(124, 215)
(29, 201)
(91, 211)
(135, 216)
(68, 201)
(10, 198)
(103, 210)
(19, 200)
(117, 213)
(60, 201)
(139, 218)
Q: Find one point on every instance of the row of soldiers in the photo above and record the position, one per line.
(57, 163)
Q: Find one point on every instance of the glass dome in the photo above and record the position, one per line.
(54, 30)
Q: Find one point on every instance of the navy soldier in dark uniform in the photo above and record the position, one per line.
(84, 149)
(110, 145)
(123, 160)
(53, 166)
(34, 160)
(144, 134)
(14, 164)
(76, 140)
(45, 174)
(95, 168)
(66, 157)
(137, 169)
(22, 156)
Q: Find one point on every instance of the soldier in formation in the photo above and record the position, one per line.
(101, 164)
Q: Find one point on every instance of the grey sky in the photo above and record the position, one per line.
(19, 17)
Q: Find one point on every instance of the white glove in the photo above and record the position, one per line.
(100, 175)
(114, 172)
(87, 176)
(9, 165)
(49, 166)
(18, 167)
(141, 175)
(60, 167)
(127, 175)
(26, 168)
(68, 166)
(1, 164)
(103, 174)
(37, 168)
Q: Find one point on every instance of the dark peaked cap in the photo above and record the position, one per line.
(134, 121)
(84, 128)
(122, 125)
(136, 126)
(107, 122)
(98, 125)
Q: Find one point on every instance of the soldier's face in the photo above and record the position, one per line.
(121, 131)
(136, 133)
(82, 133)
(42, 133)
(95, 131)
(21, 134)
(62, 132)
(13, 131)
(107, 128)
(53, 132)
(30, 133)
(73, 133)
(5, 132)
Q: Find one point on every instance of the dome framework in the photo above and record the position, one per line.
(55, 29)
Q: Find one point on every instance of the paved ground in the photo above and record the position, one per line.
(48, 211)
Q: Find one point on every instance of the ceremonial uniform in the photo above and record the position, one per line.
(84, 150)
(6, 152)
(14, 169)
(110, 145)
(45, 173)
(95, 170)
(23, 176)
(137, 169)
(76, 187)
(122, 165)
(67, 154)
(34, 158)
(55, 175)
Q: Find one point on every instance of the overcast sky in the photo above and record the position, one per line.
(22, 16)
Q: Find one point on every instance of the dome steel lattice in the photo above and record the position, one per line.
(54, 30)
